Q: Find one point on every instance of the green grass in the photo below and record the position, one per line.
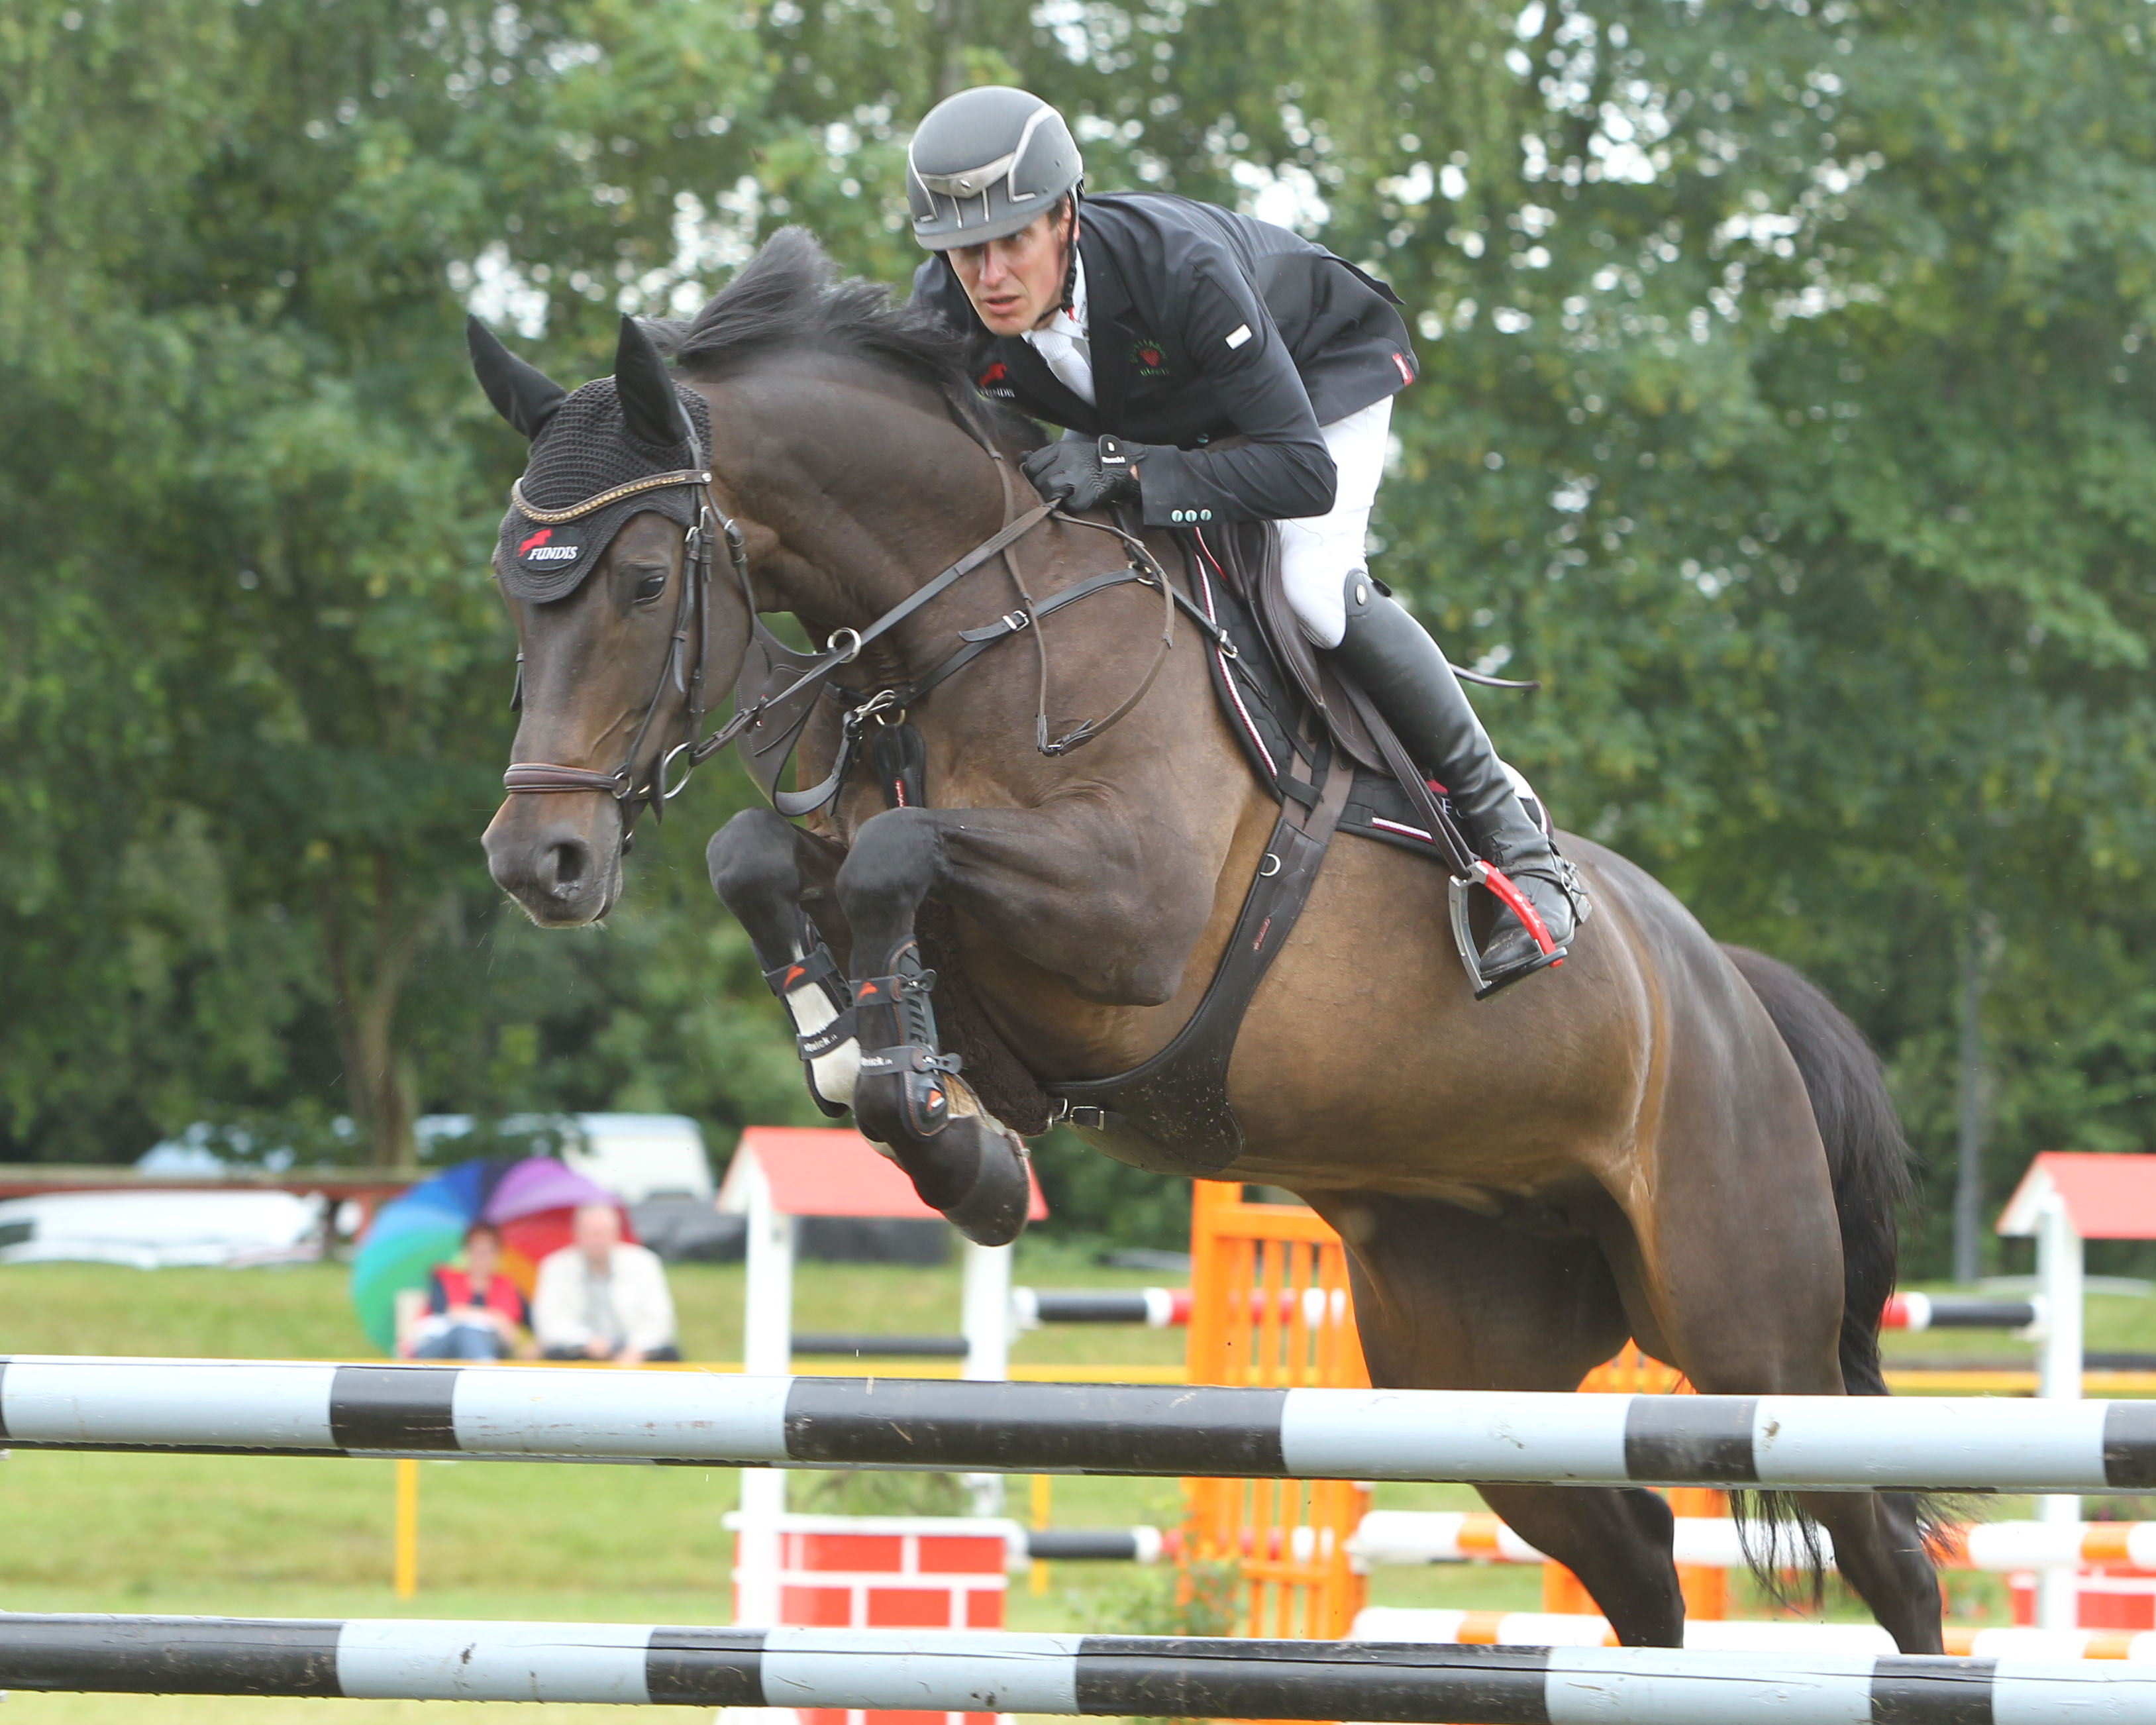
(303, 1311)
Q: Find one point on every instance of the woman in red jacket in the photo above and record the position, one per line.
(476, 1312)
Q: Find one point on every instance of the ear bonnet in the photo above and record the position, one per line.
(616, 448)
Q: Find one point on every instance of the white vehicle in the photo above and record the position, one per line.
(150, 1229)
(641, 1156)
(634, 1155)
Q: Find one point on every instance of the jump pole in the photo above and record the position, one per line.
(768, 1351)
(405, 1569)
(1407, 1537)
(985, 1318)
(2059, 1257)
(1542, 1629)
(1165, 1308)
(999, 1671)
(1820, 1443)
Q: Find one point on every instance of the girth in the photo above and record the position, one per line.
(1171, 1113)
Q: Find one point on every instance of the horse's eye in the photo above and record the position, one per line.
(650, 586)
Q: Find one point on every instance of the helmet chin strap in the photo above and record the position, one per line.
(1070, 250)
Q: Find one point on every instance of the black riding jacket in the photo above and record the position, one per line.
(1202, 324)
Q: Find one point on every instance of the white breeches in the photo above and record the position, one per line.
(1317, 553)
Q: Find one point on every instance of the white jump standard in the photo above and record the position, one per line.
(1823, 1443)
(992, 1672)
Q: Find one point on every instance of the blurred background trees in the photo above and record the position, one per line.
(1784, 410)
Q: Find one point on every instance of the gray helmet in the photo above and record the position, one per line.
(985, 162)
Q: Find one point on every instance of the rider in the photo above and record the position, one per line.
(1153, 326)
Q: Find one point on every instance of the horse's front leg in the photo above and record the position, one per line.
(764, 868)
(961, 1161)
(1106, 902)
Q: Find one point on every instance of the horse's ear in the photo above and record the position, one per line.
(645, 390)
(522, 394)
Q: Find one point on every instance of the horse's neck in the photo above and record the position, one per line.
(869, 489)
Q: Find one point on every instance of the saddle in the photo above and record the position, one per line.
(1275, 677)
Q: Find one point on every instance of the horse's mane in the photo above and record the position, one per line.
(789, 296)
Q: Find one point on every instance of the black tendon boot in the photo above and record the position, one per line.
(958, 1162)
(1409, 679)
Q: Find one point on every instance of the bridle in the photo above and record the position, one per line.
(691, 618)
(779, 687)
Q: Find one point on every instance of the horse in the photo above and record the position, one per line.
(1705, 1161)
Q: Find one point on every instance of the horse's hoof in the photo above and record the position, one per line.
(993, 1211)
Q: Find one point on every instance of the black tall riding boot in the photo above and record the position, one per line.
(1409, 679)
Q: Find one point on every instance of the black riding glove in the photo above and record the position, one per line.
(1085, 474)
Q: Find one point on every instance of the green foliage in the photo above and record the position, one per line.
(867, 1492)
(1195, 1599)
(1786, 411)
(1124, 1205)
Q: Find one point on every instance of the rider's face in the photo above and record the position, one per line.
(1016, 283)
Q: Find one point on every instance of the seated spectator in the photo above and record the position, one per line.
(476, 1312)
(600, 1299)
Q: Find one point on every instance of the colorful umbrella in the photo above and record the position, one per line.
(533, 1202)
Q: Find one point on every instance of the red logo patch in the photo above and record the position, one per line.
(995, 373)
(1150, 358)
(1407, 377)
(538, 538)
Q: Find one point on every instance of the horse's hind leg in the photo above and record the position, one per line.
(763, 868)
(1732, 1267)
(1879, 1549)
(1448, 1300)
(1616, 1542)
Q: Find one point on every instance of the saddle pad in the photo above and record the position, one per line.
(1262, 702)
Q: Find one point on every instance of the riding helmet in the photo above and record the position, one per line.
(985, 163)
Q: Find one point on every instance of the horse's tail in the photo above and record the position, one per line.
(1867, 1156)
(1868, 1161)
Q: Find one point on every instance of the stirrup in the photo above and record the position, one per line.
(1463, 935)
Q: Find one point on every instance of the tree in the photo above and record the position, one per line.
(1785, 411)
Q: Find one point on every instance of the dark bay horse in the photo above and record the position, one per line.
(1706, 1159)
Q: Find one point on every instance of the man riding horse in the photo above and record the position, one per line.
(1152, 327)
(1708, 1160)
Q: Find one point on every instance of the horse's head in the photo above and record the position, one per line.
(606, 559)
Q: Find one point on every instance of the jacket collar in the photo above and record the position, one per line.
(1107, 298)
(1105, 293)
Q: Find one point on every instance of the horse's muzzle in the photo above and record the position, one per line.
(558, 856)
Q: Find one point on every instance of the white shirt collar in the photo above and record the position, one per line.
(1062, 343)
(1070, 324)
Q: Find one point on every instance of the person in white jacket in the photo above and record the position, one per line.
(600, 1299)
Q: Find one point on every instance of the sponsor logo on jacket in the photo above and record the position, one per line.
(996, 381)
(1148, 358)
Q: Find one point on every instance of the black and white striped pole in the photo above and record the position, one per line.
(1010, 1672)
(1823, 1443)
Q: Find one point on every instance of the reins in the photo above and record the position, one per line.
(685, 663)
(1147, 575)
